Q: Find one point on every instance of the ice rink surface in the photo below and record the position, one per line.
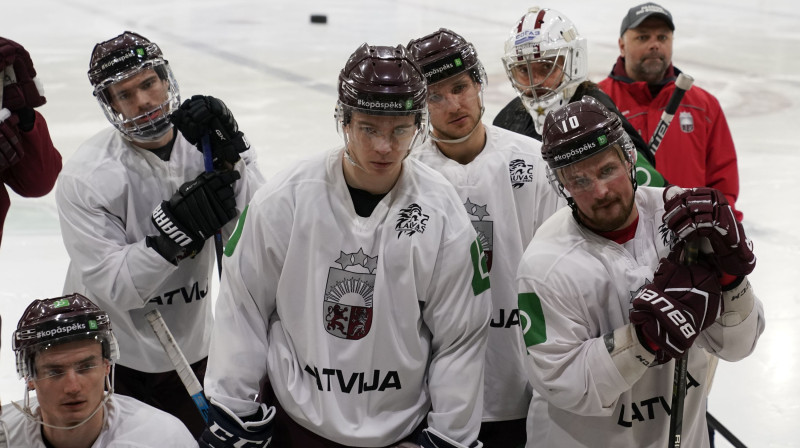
(277, 72)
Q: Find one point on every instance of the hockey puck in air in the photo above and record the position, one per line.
(319, 18)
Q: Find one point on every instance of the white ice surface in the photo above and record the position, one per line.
(277, 73)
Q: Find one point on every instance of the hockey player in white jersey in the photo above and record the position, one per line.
(357, 285)
(501, 180)
(136, 210)
(66, 352)
(607, 301)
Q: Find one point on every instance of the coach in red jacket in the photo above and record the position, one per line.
(697, 150)
(29, 163)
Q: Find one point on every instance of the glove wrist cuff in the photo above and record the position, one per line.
(629, 352)
(737, 303)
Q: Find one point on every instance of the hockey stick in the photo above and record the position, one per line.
(682, 84)
(681, 372)
(724, 431)
(208, 162)
(179, 361)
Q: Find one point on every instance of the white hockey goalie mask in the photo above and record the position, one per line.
(545, 59)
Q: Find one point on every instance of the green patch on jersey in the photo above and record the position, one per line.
(646, 174)
(231, 246)
(480, 271)
(531, 318)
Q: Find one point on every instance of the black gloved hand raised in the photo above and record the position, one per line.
(196, 211)
(200, 115)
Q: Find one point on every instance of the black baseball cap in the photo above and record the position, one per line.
(638, 14)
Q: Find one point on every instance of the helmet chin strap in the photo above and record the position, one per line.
(25, 409)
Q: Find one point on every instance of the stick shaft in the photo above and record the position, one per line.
(682, 84)
(179, 361)
(208, 162)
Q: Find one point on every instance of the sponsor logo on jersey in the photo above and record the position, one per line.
(480, 269)
(347, 304)
(411, 220)
(485, 229)
(520, 173)
(531, 318)
(687, 121)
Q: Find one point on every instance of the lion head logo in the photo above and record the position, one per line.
(411, 220)
(520, 173)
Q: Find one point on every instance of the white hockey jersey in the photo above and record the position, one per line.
(106, 193)
(363, 324)
(576, 286)
(127, 423)
(507, 196)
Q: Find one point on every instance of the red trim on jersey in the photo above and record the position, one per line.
(622, 235)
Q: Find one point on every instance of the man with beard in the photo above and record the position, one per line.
(546, 60)
(501, 180)
(697, 151)
(600, 326)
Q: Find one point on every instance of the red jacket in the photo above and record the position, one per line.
(697, 150)
(36, 173)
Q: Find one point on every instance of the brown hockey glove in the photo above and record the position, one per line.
(19, 84)
(705, 212)
(11, 150)
(672, 310)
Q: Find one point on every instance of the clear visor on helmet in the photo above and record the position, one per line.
(461, 89)
(588, 174)
(139, 102)
(398, 130)
(27, 367)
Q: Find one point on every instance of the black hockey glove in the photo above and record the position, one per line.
(226, 430)
(200, 115)
(196, 211)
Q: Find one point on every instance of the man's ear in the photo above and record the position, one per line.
(621, 43)
(31, 385)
